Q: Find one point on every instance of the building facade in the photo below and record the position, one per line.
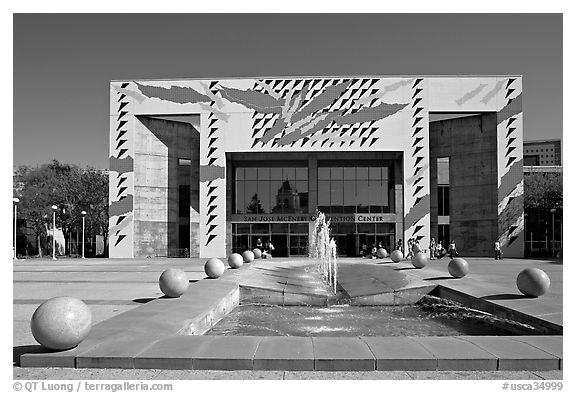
(543, 153)
(203, 168)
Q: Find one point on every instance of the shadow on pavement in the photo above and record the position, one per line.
(407, 268)
(439, 278)
(22, 349)
(143, 300)
(504, 296)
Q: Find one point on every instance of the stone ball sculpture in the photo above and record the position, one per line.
(61, 323)
(381, 253)
(458, 267)
(248, 256)
(533, 282)
(173, 282)
(257, 253)
(214, 268)
(419, 260)
(150, 250)
(235, 261)
(396, 255)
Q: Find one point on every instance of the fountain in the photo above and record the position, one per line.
(322, 250)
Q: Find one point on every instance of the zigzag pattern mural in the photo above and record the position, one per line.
(307, 112)
(121, 173)
(417, 153)
(212, 189)
(511, 185)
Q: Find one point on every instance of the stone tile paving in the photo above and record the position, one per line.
(288, 272)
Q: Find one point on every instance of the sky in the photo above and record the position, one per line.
(63, 63)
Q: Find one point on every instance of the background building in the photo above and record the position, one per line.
(544, 152)
(206, 167)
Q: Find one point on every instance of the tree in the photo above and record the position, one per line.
(543, 190)
(255, 207)
(69, 187)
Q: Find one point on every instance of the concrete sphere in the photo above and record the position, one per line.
(235, 261)
(419, 260)
(381, 253)
(61, 323)
(533, 282)
(257, 253)
(458, 267)
(248, 256)
(149, 250)
(396, 255)
(173, 282)
(214, 268)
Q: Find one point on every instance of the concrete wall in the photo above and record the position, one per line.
(159, 145)
(470, 142)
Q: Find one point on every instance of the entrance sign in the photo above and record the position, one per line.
(353, 218)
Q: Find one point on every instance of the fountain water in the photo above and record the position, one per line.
(322, 250)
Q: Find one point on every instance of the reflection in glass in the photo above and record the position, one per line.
(289, 174)
(264, 195)
(240, 201)
(323, 173)
(239, 173)
(324, 195)
(361, 173)
(263, 173)
(250, 174)
(275, 173)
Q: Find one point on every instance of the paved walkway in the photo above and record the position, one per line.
(112, 287)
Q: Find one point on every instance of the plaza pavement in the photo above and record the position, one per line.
(112, 287)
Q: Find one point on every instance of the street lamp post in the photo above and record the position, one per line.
(83, 227)
(15, 200)
(54, 208)
(553, 211)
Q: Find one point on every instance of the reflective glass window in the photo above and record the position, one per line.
(239, 173)
(260, 228)
(289, 174)
(375, 173)
(240, 201)
(299, 228)
(323, 173)
(337, 173)
(264, 195)
(251, 173)
(350, 173)
(324, 195)
(276, 173)
(263, 173)
(362, 173)
(301, 173)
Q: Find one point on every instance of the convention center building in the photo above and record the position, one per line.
(207, 167)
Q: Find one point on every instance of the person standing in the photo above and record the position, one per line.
(399, 245)
(452, 251)
(416, 246)
(259, 244)
(410, 251)
(497, 251)
(432, 249)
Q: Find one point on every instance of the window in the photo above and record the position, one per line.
(362, 189)
(443, 200)
(271, 190)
